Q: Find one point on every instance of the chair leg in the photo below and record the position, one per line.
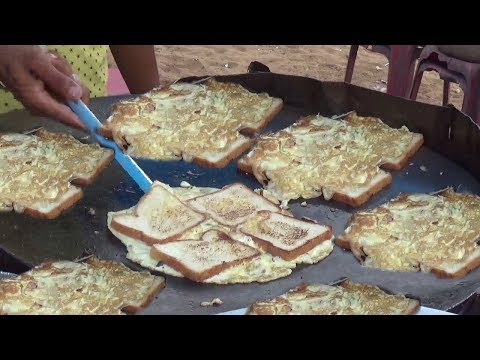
(416, 83)
(446, 92)
(400, 70)
(352, 56)
(471, 96)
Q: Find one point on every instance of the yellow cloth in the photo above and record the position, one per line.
(89, 62)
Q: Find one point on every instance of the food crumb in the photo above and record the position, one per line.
(441, 172)
(304, 204)
(423, 168)
(410, 164)
(96, 232)
(284, 205)
(214, 302)
(309, 219)
(185, 184)
(91, 211)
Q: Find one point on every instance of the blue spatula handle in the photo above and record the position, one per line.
(125, 161)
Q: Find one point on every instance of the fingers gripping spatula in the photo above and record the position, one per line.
(125, 161)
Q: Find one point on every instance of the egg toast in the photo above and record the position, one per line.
(38, 171)
(345, 298)
(206, 123)
(94, 287)
(419, 232)
(339, 159)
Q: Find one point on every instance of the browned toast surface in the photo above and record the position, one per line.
(159, 217)
(232, 205)
(200, 259)
(283, 235)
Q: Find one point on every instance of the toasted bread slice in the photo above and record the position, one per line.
(96, 287)
(338, 159)
(346, 298)
(232, 205)
(418, 232)
(200, 260)
(283, 235)
(159, 217)
(37, 171)
(204, 123)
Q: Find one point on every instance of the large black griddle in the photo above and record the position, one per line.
(450, 158)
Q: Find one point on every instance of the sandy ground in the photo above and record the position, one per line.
(323, 62)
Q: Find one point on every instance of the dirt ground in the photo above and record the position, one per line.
(323, 62)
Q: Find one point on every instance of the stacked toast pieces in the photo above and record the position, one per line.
(229, 235)
(38, 171)
(94, 287)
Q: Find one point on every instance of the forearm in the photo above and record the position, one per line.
(138, 66)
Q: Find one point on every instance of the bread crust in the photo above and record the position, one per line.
(414, 147)
(226, 159)
(61, 207)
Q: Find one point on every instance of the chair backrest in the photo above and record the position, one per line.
(469, 53)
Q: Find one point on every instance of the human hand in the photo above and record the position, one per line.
(42, 81)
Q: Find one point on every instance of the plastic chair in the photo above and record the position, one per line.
(451, 69)
(401, 66)
(116, 84)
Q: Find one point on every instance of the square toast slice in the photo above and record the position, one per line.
(232, 205)
(284, 236)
